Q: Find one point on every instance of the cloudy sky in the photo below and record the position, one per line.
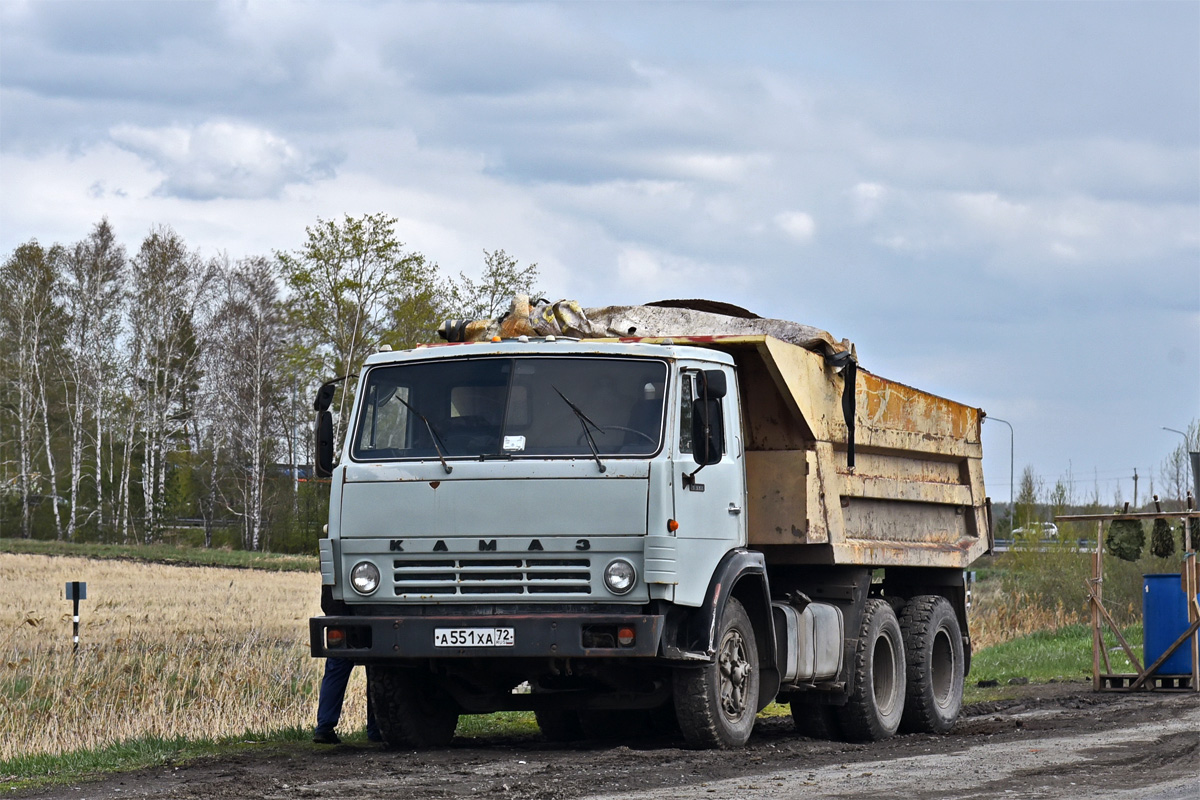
(997, 201)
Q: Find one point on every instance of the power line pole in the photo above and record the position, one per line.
(1135, 479)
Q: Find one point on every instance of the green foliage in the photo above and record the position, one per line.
(1125, 539)
(32, 327)
(1162, 539)
(1031, 489)
(342, 281)
(489, 297)
(418, 307)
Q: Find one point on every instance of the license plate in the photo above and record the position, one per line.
(473, 637)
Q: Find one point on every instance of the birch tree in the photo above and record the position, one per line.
(92, 300)
(170, 290)
(247, 339)
(29, 322)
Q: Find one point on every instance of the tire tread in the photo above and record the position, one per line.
(409, 709)
(859, 719)
(921, 714)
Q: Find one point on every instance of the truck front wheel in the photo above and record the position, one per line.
(410, 708)
(876, 701)
(716, 704)
(934, 650)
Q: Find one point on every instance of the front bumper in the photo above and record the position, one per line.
(557, 636)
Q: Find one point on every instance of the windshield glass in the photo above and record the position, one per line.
(512, 408)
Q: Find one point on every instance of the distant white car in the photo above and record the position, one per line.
(1046, 530)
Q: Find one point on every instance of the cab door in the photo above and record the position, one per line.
(709, 500)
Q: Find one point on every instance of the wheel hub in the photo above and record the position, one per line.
(735, 673)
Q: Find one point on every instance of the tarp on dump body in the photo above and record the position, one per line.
(568, 318)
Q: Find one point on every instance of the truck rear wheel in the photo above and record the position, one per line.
(410, 708)
(933, 648)
(877, 700)
(716, 704)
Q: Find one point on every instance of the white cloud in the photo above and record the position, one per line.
(647, 274)
(797, 225)
(868, 199)
(724, 168)
(217, 159)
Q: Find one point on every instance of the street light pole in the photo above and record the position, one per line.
(1012, 509)
(1186, 460)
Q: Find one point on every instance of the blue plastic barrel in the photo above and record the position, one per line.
(1165, 617)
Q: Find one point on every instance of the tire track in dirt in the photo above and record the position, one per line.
(1076, 766)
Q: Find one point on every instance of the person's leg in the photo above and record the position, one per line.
(329, 701)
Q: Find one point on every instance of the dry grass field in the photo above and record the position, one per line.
(165, 651)
(998, 616)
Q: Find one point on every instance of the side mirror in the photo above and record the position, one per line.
(708, 430)
(714, 380)
(325, 395)
(324, 465)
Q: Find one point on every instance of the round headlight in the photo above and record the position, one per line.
(620, 576)
(364, 577)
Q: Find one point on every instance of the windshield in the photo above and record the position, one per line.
(512, 408)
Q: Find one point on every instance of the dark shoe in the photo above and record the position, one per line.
(326, 737)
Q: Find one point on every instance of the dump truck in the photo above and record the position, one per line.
(638, 531)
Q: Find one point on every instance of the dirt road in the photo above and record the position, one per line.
(1058, 741)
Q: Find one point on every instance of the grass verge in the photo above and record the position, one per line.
(1062, 655)
(502, 723)
(28, 772)
(165, 554)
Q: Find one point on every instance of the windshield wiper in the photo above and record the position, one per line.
(438, 444)
(583, 423)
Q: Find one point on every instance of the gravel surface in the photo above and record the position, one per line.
(1055, 741)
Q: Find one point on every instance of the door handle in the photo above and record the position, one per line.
(734, 508)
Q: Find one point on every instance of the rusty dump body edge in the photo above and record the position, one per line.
(915, 495)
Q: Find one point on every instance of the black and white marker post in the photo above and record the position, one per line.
(76, 591)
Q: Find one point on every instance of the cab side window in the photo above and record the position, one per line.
(685, 414)
(687, 411)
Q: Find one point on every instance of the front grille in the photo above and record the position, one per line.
(502, 575)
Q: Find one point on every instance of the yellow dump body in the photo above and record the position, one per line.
(915, 495)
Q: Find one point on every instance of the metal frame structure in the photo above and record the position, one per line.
(1144, 678)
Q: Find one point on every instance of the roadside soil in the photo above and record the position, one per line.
(1051, 741)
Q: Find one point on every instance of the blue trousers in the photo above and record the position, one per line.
(333, 692)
